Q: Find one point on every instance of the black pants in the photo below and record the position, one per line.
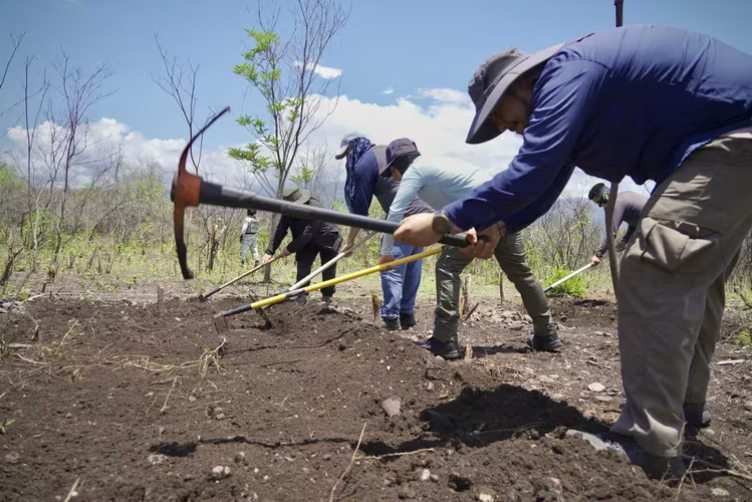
(304, 260)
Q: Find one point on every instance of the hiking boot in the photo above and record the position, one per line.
(696, 415)
(328, 302)
(392, 323)
(654, 466)
(407, 320)
(549, 343)
(447, 350)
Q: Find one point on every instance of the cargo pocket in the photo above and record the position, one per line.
(667, 247)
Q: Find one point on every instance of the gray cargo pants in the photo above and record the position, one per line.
(671, 290)
(510, 254)
(248, 241)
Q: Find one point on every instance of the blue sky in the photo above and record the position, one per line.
(400, 60)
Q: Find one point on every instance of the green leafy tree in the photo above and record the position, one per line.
(285, 70)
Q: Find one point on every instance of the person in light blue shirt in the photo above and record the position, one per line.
(439, 181)
(653, 103)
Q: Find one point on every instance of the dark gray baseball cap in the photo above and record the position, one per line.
(491, 80)
(401, 146)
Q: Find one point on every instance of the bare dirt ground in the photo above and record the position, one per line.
(131, 401)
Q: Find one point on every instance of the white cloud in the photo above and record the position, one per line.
(325, 72)
(437, 120)
(388, 91)
(106, 139)
(446, 95)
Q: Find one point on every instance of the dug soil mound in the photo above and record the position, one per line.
(131, 402)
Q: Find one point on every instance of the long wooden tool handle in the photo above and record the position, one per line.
(337, 280)
(565, 279)
(205, 296)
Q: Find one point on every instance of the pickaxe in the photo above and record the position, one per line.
(191, 190)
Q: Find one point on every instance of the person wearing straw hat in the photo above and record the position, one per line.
(364, 164)
(310, 238)
(438, 181)
(652, 103)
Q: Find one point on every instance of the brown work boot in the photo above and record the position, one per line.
(392, 323)
(654, 466)
(447, 350)
(549, 343)
(407, 321)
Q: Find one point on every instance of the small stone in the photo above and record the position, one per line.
(240, 457)
(546, 379)
(563, 318)
(220, 472)
(425, 475)
(156, 458)
(485, 497)
(596, 387)
(220, 416)
(12, 457)
(391, 406)
(719, 492)
(604, 399)
(429, 386)
(406, 493)
(748, 405)
(555, 484)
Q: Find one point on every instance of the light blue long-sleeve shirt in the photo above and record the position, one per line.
(438, 181)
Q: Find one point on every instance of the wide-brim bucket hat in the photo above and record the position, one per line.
(492, 79)
(297, 195)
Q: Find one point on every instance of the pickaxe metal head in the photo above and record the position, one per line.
(186, 189)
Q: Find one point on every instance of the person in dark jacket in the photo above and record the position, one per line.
(309, 239)
(626, 210)
(653, 103)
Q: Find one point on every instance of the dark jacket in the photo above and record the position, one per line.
(368, 182)
(305, 233)
(626, 210)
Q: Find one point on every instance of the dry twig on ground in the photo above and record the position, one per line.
(349, 466)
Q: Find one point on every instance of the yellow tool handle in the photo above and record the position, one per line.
(347, 277)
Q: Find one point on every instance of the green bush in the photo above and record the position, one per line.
(744, 338)
(573, 287)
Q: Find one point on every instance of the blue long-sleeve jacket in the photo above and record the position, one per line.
(633, 101)
(367, 183)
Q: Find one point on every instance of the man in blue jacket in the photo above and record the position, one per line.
(652, 103)
(365, 165)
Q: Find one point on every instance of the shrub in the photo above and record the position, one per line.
(744, 338)
(573, 287)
